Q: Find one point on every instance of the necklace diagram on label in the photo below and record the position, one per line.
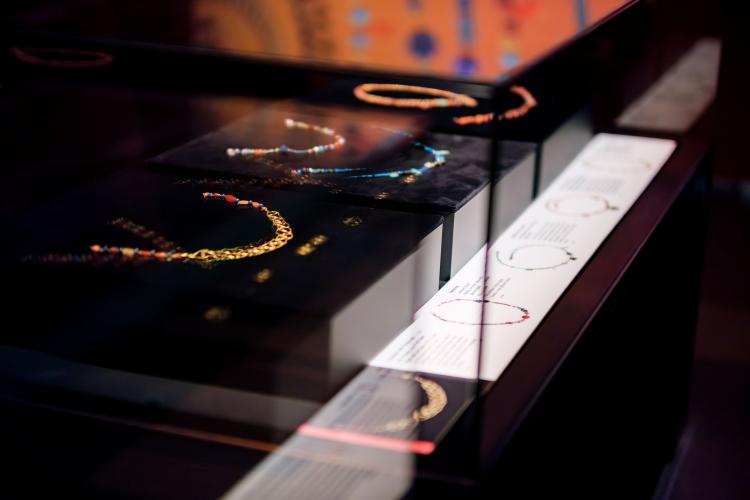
(535, 257)
(480, 312)
(617, 165)
(579, 205)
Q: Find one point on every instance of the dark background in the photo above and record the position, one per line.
(714, 452)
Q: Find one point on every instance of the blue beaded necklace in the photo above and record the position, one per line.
(438, 156)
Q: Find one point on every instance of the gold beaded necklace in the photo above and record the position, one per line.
(167, 252)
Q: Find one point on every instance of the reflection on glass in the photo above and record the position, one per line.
(467, 39)
(474, 39)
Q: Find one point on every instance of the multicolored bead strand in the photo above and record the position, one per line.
(599, 204)
(438, 159)
(443, 99)
(529, 102)
(338, 142)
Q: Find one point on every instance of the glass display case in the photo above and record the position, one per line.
(345, 249)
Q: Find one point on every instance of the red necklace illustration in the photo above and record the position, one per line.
(536, 257)
(447, 315)
(579, 205)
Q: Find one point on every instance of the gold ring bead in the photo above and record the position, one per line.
(438, 98)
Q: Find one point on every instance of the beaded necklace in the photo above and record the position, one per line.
(565, 257)
(158, 240)
(524, 313)
(447, 98)
(338, 142)
(438, 158)
(529, 102)
(442, 99)
(167, 252)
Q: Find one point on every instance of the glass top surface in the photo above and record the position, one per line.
(474, 40)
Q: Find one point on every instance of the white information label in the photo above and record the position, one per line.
(530, 265)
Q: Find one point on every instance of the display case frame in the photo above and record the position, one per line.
(494, 441)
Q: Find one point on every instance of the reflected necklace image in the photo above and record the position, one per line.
(166, 253)
(438, 156)
(437, 399)
(438, 159)
(338, 142)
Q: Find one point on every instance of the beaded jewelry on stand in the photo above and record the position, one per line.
(445, 98)
(438, 158)
(442, 99)
(338, 142)
(167, 252)
(437, 400)
(529, 102)
(158, 240)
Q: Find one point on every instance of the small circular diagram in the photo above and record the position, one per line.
(579, 205)
(617, 165)
(535, 257)
(480, 312)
